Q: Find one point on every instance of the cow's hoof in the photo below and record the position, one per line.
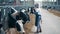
(23, 33)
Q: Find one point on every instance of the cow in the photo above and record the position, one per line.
(16, 20)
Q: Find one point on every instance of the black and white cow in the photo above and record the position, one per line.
(17, 19)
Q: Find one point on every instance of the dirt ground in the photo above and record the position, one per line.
(55, 12)
(28, 26)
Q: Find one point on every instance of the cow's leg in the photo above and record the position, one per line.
(21, 26)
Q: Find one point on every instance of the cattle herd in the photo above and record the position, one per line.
(25, 21)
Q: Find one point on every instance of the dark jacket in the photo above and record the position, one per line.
(38, 18)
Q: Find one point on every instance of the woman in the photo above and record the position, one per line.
(38, 18)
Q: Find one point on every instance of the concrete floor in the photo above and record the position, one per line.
(50, 24)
